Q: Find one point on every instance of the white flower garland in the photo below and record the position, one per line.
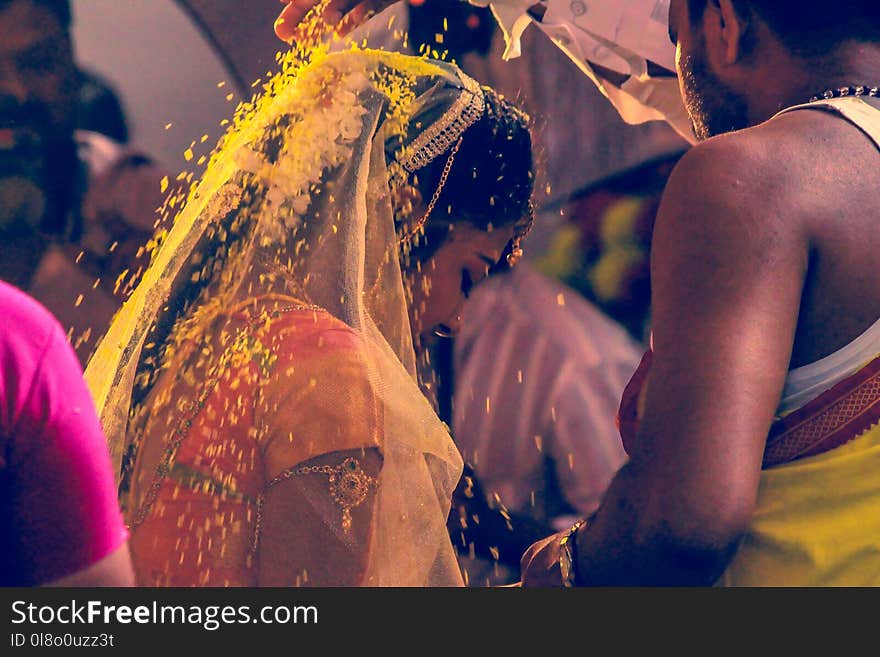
(328, 119)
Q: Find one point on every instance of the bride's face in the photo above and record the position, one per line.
(446, 278)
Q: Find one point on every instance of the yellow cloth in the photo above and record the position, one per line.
(817, 521)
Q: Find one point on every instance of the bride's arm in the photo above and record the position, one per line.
(316, 521)
(321, 447)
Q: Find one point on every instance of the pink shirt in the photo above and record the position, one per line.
(58, 506)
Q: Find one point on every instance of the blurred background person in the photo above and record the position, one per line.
(562, 335)
(75, 207)
(538, 374)
(99, 107)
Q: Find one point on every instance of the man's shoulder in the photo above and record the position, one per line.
(733, 206)
(742, 179)
(745, 155)
(765, 156)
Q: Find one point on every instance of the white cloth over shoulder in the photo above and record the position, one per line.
(621, 36)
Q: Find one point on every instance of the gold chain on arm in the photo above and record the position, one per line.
(349, 487)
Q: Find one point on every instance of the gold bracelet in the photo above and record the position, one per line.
(566, 555)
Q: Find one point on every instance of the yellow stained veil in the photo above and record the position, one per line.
(301, 188)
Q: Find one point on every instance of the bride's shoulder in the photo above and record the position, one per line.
(290, 332)
(289, 318)
(314, 377)
(303, 330)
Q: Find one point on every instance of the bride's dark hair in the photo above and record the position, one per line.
(491, 179)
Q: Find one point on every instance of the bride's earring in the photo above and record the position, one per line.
(516, 252)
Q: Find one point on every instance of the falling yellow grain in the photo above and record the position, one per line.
(570, 461)
(79, 300)
(79, 256)
(539, 443)
(230, 96)
(220, 85)
(96, 283)
(163, 184)
(519, 376)
(488, 406)
(119, 280)
(168, 126)
(188, 154)
(560, 299)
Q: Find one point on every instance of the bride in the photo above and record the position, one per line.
(259, 388)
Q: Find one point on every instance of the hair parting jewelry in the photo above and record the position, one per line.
(420, 224)
(440, 135)
(467, 109)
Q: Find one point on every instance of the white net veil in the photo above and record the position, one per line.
(297, 202)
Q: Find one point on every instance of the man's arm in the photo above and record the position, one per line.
(728, 264)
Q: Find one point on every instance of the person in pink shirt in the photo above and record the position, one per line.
(60, 522)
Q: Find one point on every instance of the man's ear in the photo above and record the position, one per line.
(732, 29)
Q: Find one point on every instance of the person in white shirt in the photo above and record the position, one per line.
(539, 372)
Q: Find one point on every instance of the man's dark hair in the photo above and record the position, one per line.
(810, 27)
(61, 8)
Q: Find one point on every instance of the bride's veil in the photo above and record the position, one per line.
(300, 187)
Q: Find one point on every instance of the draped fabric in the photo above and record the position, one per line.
(272, 325)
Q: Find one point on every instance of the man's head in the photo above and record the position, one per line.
(730, 50)
(38, 104)
(38, 76)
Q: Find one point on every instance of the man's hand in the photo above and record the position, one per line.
(540, 563)
(339, 16)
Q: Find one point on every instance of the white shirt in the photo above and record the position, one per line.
(620, 35)
(539, 372)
